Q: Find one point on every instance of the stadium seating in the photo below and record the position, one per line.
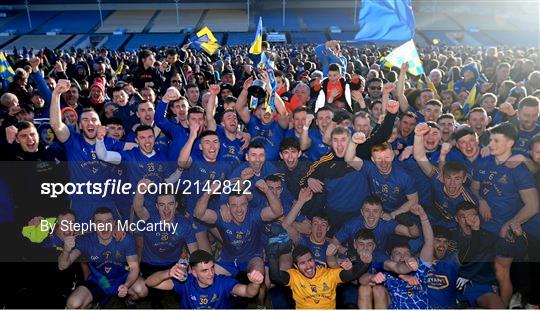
(37, 42)
(115, 41)
(166, 20)
(20, 21)
(86, 21)
(226, 20)
(131, 20)
(154, 40)
(273, 19)
(308, 37)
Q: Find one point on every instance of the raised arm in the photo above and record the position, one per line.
(426, 254)
(102, 153)
(241, 103)
(419, 152)
(211, 107)
(400, 89)
(277, 276)
(162, 122)
(60, 129)
(350, 155)
(274, 208)
(138, 200)
(288, 223)
(69, 253)
(184, 158)
(38, 79)
(305, 140)
(358, 268)
(201, 209)
(252, 289)
(163, 279)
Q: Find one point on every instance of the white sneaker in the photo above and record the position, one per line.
(515, 301)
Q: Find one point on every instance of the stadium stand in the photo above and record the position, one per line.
(154, 40)
(37, 42)
(86, 21)
(308, 37)
(20, 22)
(130, 20)
(165, 21)
(225, 20)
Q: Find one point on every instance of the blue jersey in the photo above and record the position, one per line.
(346, 193)
(215, 296)
(393, 188)
(241, 242)
(409, 297)
(445, 206)
(270, 135)
(317, 148)
(163, 248)
(179, 134)
(259, 198)
(108, 265)
(317, 250)
(84, 166)
(500, 186)
(425, 194)
(287, 202)
(441, 283)
(202, 171)
(377, 263)
(382, 231)
(521, 145)
(230, 149)
(161, 144)
(155, 167)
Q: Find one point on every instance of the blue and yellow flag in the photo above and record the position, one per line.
(385, 21)
(256, 46)
(406, 53)
(205, 40)
(6, 72)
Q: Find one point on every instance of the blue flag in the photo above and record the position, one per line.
(205, 40)
(385, 21)
(256, 46)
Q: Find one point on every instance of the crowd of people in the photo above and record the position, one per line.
(330, 180)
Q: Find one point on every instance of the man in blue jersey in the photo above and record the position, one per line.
(146, 113)
(344, 187)
(406, 276)
(233, 141)
(156, 166)
(202, 287)
(114, 265)
(371, 218)
(448, 188)
(371, 291)
(476, 252)
(242, 247)
(312, 140)
(262, 126)
(162, 248)
(179, 134)
(430, 144)
(508, 197)
(525, 119)
(441, 281)
(468, 145)
(200, 172)
(391, 183)
(84, 166)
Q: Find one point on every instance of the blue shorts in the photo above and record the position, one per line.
(235, 267)
(516, 250)
(472, 292)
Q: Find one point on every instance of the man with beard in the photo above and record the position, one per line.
(406, 125)
(441, 281)
(526, 121)
(314, 287)
(478, 119)
(83, 164)
(114, 265)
